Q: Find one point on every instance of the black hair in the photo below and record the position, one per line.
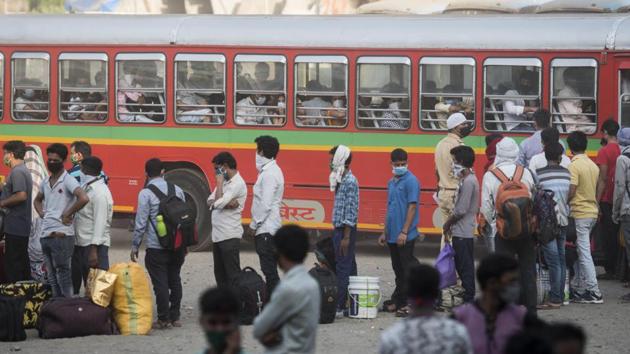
(291, 241)
(268, 145)
(59, 149)
(553, 152)
(577, 141)
(494, 266)
(153, 167)
(226, 158)
(83, 147)
(560, 332)
(464, 155)
(528, 342)
(16, 147)
(542, 117)
(398, 155)
(550, 135)
(423, 282)
(348, 160)
(92, 166)
(492, 137)
(610, 127)
(219, 301)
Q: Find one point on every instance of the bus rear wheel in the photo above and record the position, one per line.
(196, 189)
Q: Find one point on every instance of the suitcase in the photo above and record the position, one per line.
(11, 317)
(328, 289)
(74, 317)
(35, 294)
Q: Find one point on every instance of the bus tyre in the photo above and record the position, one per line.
(196, 189)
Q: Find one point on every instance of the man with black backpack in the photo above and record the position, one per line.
(621, 195)
(164, 257)
(506, 197)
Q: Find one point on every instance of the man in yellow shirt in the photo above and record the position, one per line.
(458, 128)
(584, 209)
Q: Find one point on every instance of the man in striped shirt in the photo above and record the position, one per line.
(557, 179)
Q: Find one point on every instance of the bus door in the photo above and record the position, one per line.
(623, 90)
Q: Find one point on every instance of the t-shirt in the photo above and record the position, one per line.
(57, 199)
(558, 180)
(401, 192)
(426, 335)
(584, 175)
(607, 155)
(466, 207)
(540, 161)
(18, 219)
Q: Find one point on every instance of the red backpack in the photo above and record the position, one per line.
(513, 205)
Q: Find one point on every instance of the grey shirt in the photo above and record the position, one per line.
(57, 199)
(621, 195)
(294, 310)
(466, 207)
(18, 219)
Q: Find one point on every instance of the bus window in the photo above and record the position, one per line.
(574, 95)
(624, 97)
(200, 88)
(83, 87)
(31, 93)
(383, 92)
(1, 85)
(260, 96)
(447, 86)
(140, 96)
(321, 91)
(511, 93)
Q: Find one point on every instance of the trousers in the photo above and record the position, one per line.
(58, 259)
(227, 263)
(402, 258)
(524, 249)
(346, 265)
(268, 260)
(164, 267)
(16, 262)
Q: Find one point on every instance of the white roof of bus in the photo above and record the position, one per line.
(554, 31)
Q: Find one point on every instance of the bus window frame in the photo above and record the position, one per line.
(30, 55)
(198, 57)
(143, 56)
(382, 60)
(433, 60)
(510, 61)
(568, 63)
(2, 85)
(621, 95)
(256, 58)
(82, 56)
(315, 59)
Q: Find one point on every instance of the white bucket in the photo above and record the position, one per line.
(365, 295)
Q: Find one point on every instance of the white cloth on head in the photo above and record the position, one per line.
(507, 152)
(338, 166)
(455, 120)
(34, 162)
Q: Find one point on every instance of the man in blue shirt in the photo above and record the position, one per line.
(401, 227)
(80, 150)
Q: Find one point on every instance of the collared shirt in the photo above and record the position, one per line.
(444, 161)
(75, 172)
(607, 156)
(226, 223)
(539, 161)
(490, 186)
(248, 113)
(466, 207)
(571, 109)
(294, 310)
(346, 205)
(426, 335)
(17, 221)
(268, 192)
(148, 207)
(93, 223)
(621, 195)
(558, 180)
(57, 199)
(402, 191)
(530, 147)
(584, 175)
(514, 109)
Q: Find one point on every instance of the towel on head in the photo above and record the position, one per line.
(338, 166)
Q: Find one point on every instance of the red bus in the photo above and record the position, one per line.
(184, 88)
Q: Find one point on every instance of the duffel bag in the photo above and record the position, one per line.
(74, 317)
(132, 301)
(11, 316)
(35, 294)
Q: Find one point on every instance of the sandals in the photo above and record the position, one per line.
(549, 306)
(161, 325)
(403, 312)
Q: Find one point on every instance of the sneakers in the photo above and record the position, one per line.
(589, 297)
(340, 314)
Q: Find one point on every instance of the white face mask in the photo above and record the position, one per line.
(458, 169)
(261, 100)
(338, 103)
(261, 161)
(281, 104)
(394, 105)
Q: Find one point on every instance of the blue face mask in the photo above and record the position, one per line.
(399, 171)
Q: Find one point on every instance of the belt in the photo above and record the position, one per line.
(56, 235)
(447, 189)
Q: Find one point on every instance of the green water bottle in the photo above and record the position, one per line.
(161, 226)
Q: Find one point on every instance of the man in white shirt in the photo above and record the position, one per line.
(92, 224)
(548, 136)
(266, 220)
(248, 112)
(315, 110)
(515, 108)
(571, 107)
(226, 203)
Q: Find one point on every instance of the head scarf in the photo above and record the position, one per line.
(338, 166)
(507, 152)
(34, 162)
(623, 137)
(491, 153)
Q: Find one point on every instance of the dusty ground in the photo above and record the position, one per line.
(606, 325)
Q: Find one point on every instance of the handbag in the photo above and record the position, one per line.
(100, 286)
(445, 264)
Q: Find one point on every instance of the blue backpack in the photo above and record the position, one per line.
(547, 227)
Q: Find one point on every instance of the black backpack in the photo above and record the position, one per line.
(12, 318)
(179, 218)
(252, 293)
(328, 290)
(325, 253)
(547, 227)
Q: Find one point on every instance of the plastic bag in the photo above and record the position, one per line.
(445, 265)
(100, 286)
(133, 300)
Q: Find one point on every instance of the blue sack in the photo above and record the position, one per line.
(445, 264)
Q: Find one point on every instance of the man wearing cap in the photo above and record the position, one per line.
(458, 128)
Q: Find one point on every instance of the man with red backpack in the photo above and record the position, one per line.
(506, 197)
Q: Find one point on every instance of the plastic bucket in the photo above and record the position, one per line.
(365, 295)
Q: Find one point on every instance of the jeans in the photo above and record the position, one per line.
(465, 265)
(585, 278)
(609, 238)
(525, 251)
(16, 262)
(554, 256)
(625, 227)
(58, 258)
(81, 266)
(268, 260)
(227, 263)
(346, 265)
(402, 258)
(164, 268)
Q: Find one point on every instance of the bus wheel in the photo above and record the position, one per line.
(196, 189)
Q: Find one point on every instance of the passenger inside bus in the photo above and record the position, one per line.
(31, 104)
(81, 104)
(250, 110)
(339, 113)
(148, 78)
(278, 110)
(517, 110)
(366, 113)
(448, 105)
(194, 106)
(131, 97)
(313, 110)
(261, 76)
(571, 107)
(624, 99)
(393, 114)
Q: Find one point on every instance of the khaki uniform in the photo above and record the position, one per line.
(447, 183)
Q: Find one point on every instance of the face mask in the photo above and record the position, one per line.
(510, 294)
(217, 340)
(261, 161)
(338, 103)
(465, 131)
(281, 104)
(74, 159)
(450, 101)
(399, 170)
(394, 105)
(458, 169)
(261, 100)
(54, 166)
(6, 160)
